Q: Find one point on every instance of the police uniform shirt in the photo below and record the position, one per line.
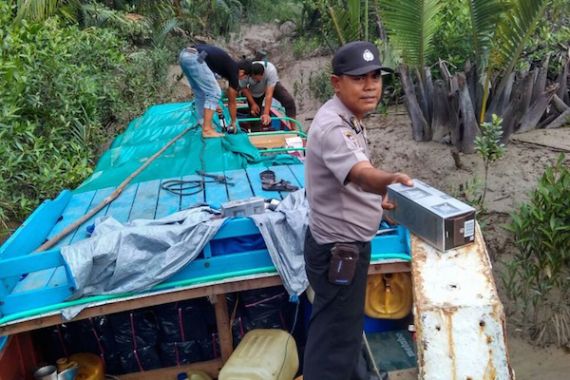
(340, 211)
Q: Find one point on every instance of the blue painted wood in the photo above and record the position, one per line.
(76, 208)
(227, 264)
(81, 232)
(255, 181)
(45, 296)
(299, 172)
(191, 200)
(120, 208)
(282, 172)
(216, 192)
(394, 242)
(33, 232)
(168, 203)
(144, 205)
(241, 188)
(31, 263)
(235, 227)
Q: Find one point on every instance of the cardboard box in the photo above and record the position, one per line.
(441, 220)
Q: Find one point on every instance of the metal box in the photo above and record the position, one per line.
(243, 207)
(441, 220)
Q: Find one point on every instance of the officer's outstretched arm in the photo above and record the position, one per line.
(375, 180)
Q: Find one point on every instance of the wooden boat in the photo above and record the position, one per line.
(37, 286)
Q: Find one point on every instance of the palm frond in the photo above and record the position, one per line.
(411, 26)
(485, 16)
(36, 9)
(346, 20)
(514, 31)
(167, 27)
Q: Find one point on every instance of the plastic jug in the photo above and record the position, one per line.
(90, 366)
(388, 296)
(263, 355)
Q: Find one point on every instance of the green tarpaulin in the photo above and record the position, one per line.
(161, 123)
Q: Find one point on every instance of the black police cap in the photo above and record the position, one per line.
(357, 58)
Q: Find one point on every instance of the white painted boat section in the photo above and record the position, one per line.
(459, 318)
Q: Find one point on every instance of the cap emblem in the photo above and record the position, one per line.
(367, 55)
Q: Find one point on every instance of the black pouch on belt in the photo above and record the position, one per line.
(344, 257)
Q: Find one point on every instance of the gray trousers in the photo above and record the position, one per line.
(334, 343)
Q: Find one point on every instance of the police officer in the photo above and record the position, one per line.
(345, 194)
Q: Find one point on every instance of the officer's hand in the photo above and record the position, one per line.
(386, 204)
(254, 109)
(265, 119)
(402, 178)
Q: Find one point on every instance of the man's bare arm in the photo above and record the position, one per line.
(375, 180)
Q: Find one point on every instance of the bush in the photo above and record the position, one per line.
(60, 86)
(537, 279)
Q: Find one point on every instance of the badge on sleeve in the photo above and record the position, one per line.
(350, 139)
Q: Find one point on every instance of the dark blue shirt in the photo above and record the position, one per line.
(221, 63)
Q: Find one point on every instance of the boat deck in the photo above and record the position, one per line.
(36, 286)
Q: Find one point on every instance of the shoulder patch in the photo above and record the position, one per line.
(350, 139)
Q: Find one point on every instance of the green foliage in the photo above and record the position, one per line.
(452, 39)
(488, 145)
(261, 11)
(320, 85)
(60, 86)
(537, 278)
(304, 46)
(412, 26)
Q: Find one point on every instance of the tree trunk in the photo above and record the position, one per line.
(428, 86)
(534, 113)
(419, 123)
(468, 119)
(473, 85)
(559, 104)
(424, 102)
(441, 110)
(519, 104)
(560, 121)
(562, 81)
(455, 114)
(501, 98)
(540, 84)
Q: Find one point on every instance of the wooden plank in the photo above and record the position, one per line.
(224, 327)
(241, 188)
(144, 205)
(215, 192)
(81, 232)
(33, 232)
(299, 173)
(255, 181)
(282, 172)
(459, 317)
(191, 200)
(211, 367)
(77, 207)
(121, 207)
(168, 202)
(173, 295)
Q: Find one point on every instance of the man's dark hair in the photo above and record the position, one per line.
(245, 65)
(257, 68)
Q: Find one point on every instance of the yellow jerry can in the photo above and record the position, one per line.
(388, 295)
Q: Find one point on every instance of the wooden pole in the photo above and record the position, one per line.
(114, 195)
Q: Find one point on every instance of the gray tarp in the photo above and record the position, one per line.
(134, 257)
(284, 234)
